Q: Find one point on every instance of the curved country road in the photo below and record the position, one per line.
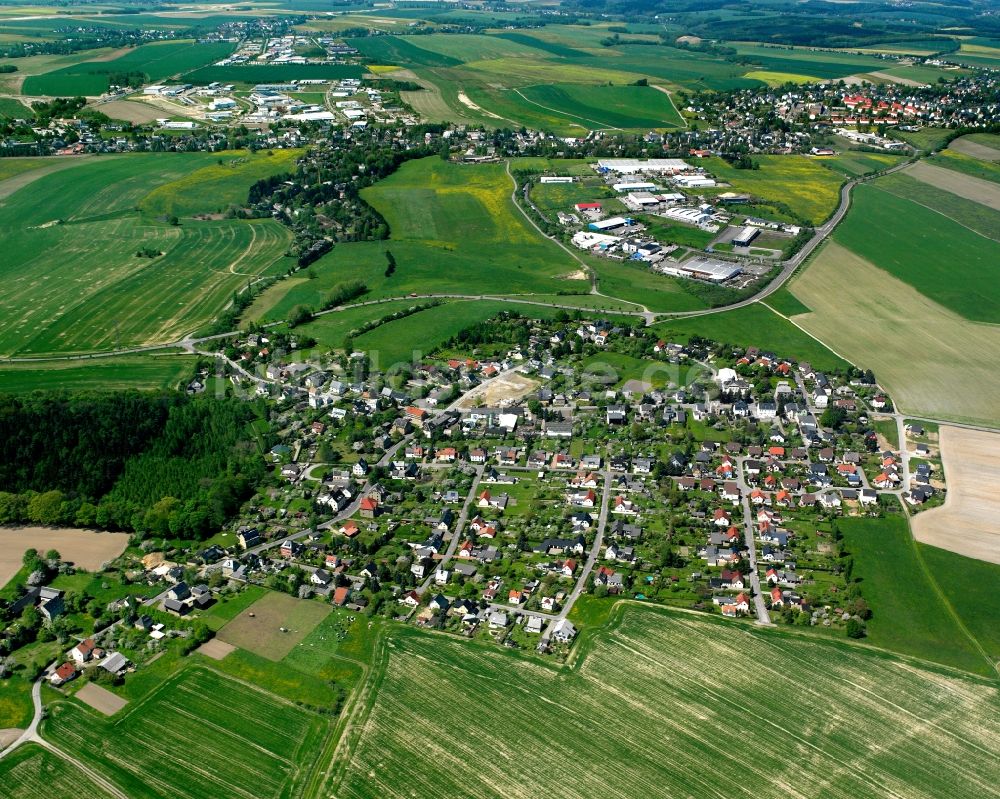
(788, 269)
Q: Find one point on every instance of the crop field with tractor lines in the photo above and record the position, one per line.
(62, 294)
(240, 741)
(32, 772)
(651, 699)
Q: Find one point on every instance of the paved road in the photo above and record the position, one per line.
(588, 567)
(763, 617)
(463, 518)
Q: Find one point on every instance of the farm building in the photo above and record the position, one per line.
(556, 179)
(745, 235)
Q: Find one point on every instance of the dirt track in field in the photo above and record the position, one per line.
(967, 522)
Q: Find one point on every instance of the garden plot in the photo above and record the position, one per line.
(273, 625)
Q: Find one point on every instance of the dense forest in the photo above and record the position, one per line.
(156, 463)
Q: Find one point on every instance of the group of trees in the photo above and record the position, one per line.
(163, 464)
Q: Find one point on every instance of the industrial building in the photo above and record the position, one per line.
(694, 181)
(690, 216)
(635, 166)
(633, 186)
(745, 235)
(701, 268)
(612, 223)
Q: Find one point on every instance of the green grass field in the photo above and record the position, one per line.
(453, 229)
(150, 371)
(13, 109)
(237, 740)
(272, 73)
(595, 107)
(805, 61)
(968, 585)
(977, 217)
(61, 293)
(636, 283)
(878, 322)
(12, 167)
(398, 341)
(32, 772)
(910, 614)
(672, 688)
(939, 257)
(966, 164)
(215, 187)
(854, 163)
(754, 326)
(16, 709)
(157, 61)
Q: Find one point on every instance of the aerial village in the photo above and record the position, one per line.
(485, 494)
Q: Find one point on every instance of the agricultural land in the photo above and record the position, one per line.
(651, 668)
(439, 400)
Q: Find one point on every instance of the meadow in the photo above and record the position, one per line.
(967, 585)
(55, 278)
(968, 165)
(754, 326)
(452, 229)
(805, 61)
(403, 340)
(565, 107)
(878, 322)
(154, 370)
(939, 257)
(238, 740)
(572, 78)
(854, 163)
(12, 167)
(226, 182)
(910, 613)
(14, 109)
(635, 283)
(641, 694)
(800, 182)
(32, 772)
(156, 61)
